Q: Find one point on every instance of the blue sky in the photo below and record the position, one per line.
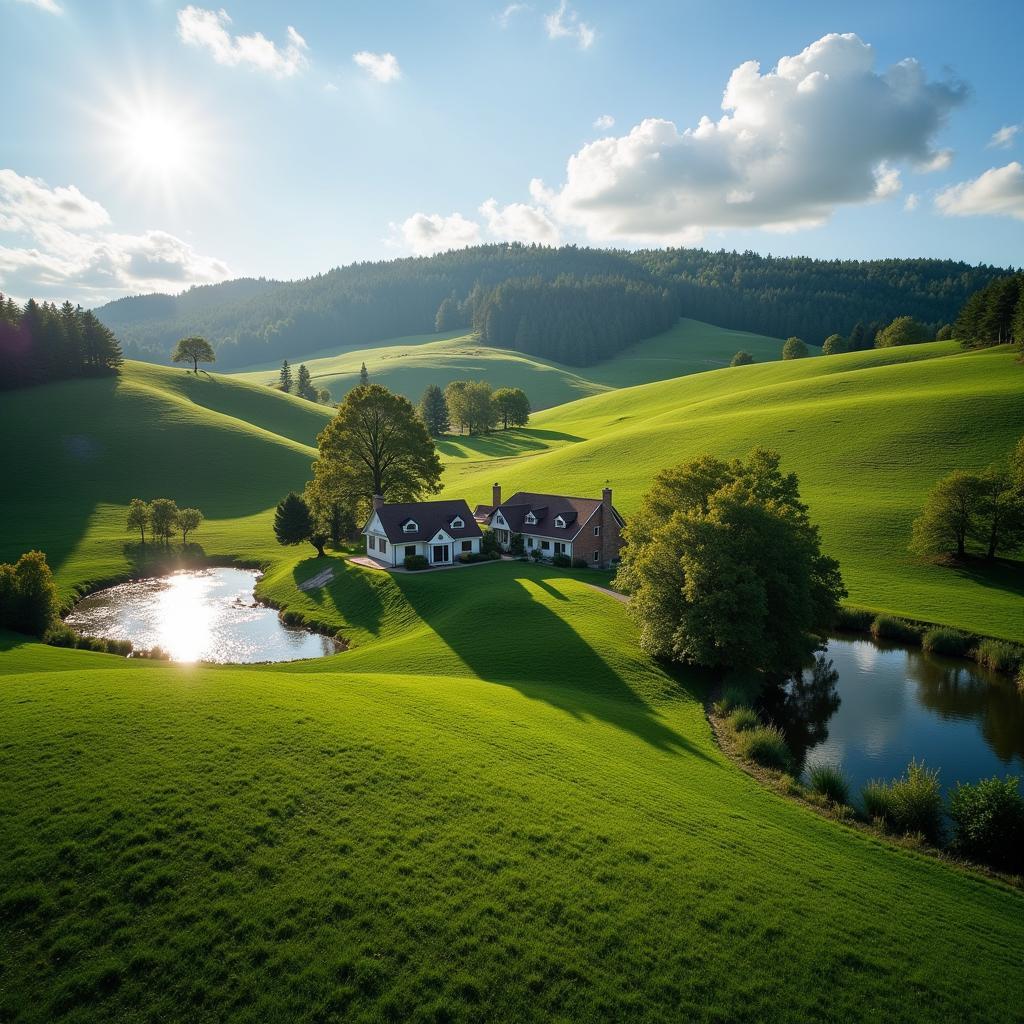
(152, 144)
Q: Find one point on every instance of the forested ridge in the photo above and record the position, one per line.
(576, 305)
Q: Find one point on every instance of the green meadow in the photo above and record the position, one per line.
(408, 365)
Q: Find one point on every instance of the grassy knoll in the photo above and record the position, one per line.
(453, 821)
(868, 433)
(408, 365)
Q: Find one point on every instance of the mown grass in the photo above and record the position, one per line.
(408, 365)
(448, 822)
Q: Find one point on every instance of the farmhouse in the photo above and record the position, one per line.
(439, 531)
(584, 529)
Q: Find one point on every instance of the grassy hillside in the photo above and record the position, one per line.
(868, 433)
(408, 365)
(447, 823)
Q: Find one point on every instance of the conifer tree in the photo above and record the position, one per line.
(285, 376)
(434, 411)
(364, 374)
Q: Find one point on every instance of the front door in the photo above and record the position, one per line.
(441, 553)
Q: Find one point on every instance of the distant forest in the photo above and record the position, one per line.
(574, 305)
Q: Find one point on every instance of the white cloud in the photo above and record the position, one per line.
(381, 66)
(209, 30)
(999, 192)
(1003, 138)
(65, 252)
(509, 12)
(50, 6)
(911, 203)
(604, 122)
(821, 130)
(565, 23)
(519, 222)
(427, 233)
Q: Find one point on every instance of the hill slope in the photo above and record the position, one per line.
(408, 365)
(447, 823)
(868, 433)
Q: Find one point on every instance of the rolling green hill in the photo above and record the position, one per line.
(447, 823)
(408, 365)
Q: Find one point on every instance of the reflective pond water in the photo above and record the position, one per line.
(199, 615)
(878, 706)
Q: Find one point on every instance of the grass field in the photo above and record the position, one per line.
(408, 365)
(453, 821)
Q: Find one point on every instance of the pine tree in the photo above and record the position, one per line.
(434, 411)
(305, 386)
(364, 374)
(286, 376)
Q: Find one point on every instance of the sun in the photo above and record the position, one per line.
(157, 143)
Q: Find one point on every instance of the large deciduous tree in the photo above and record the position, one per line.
(28, 595)
(138, 517)
(163, 518)
(512, 407)
(375, 444)
(194, 350)
(726, 569)
(945, 521)
(904, 330)
(188, 522)
(834, 344)
(434, 411)
(794, 349)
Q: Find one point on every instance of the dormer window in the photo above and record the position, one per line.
(457, 523)
(531, 519)
(560, 522)
(410, 526)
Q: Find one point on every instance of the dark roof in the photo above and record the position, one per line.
(482, 512)
(429, 516)
(547, 508)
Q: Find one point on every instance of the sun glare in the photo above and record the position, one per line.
(156, 142)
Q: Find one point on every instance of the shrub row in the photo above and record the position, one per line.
(61, 635)
(468, 557)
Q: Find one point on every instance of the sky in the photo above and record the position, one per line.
(151, 145)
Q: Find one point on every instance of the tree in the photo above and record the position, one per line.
(375, 444)
(948, 514)
(512, 407)
(834, 344)
(285, 377)
(294, 524)
(305, 388)
(28, 595)
(323, 396)
(364, 374)
(447, 318)
(794, 349)
(188, 522)
(944, 333)
(742, 358)
(725, 568)
(455, 400)
(1017, 465)
(480, 410)
(163, 518)
(904, 330)
(858, 337)
(999, 516)
(138, 517)
(195, 350)
(434, 411)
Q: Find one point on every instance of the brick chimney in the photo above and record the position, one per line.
(606, 497)
(496, 495)
(378, 502)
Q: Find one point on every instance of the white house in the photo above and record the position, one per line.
(439, 531)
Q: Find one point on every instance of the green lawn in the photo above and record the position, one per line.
(408, 365)
(455, 820)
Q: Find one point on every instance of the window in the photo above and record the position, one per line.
(467, 545)
(559, 548)
(382, 544)
(531, 518)
(410, 526)
(560, 522)
(545, 545)
(457, 523)
(597, 531)
(529, 542)
(371, 542)
(410, 551)
(597, 556)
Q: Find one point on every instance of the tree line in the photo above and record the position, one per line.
(257, 320)
(40, 342)
(162, 518)
(472, 407)
(993, 315)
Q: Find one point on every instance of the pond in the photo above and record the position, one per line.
(879, 705)
(197, 615)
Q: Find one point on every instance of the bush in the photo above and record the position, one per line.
(562, 561)
(999, 656)
(744, 719)
(944, 640)
(492, 556)
(828, 780)
(794, 349)
(988, 822)
(911, 805)
(517, 546)
(742, 358)
(766, 745)
(733, 697)
(415, 562)
(854, 620)
(489, 541)
(579, 563)
(536, 554)
(889, 627)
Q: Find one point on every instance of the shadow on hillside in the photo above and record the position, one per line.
(514, 640)
(501, 443)
(351, 595)
(999, 573)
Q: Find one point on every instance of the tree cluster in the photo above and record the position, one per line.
(725, 567)
(162, 518)
(302, 384)
(986, 508)
(41, 342)
(28, 596)
(473, 407)
(993, 315)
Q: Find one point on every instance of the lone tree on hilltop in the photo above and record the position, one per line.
(375, 444)
(512, 407)
(138, 517)
(742, 358)
(188, 522)
(794, 349)
(293, 523)
(434, 411)
(285, 376)
(195, 350)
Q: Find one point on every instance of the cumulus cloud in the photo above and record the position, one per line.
(911, 203)
(997, 192)
(209, 30)
(509, 12)
(381, 66)
(66, 249)
(565, 23)
(427, 233)
(820, 130)
(50, 6)
(1003, 138)
(519, 222)
(604, 122)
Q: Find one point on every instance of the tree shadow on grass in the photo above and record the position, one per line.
(514, 639)
(998, 573)
(352, 597)
(502, 443)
